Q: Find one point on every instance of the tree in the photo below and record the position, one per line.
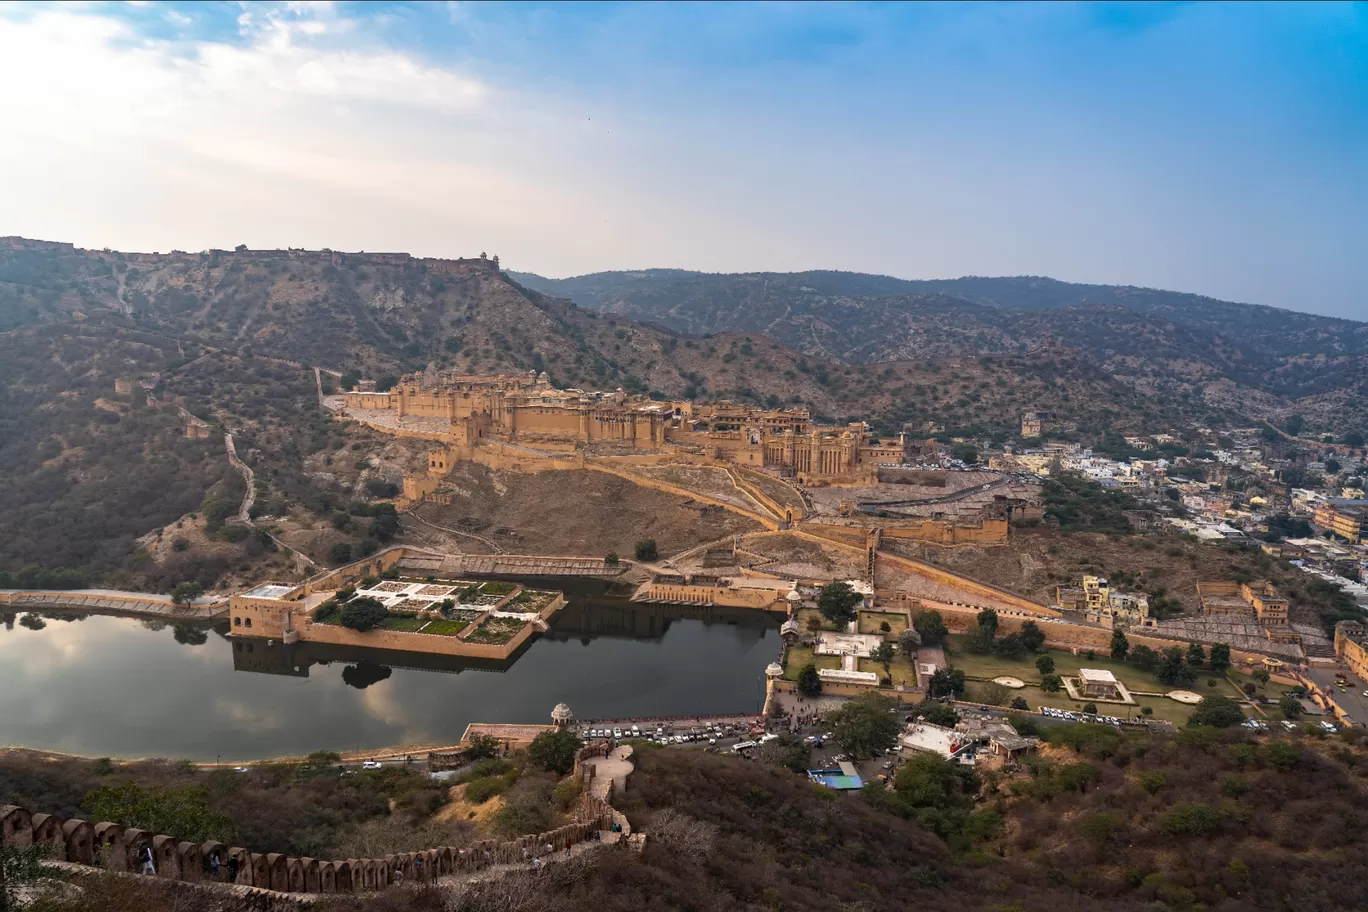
(885, 627)
(1052, 683)
(483, 747)
(1010, 647)
(20, 866)
(837, 602)
(992, 693)
(1291, 707)
(181, 812)
(1032, 636)
(1217, 711)
(1262, 676)
(1144, 657)
(809, 682)
(909, 641)
(363, 614)
(185, 593)
(864, 726)
(1090, 707)
(1120, 646)
(988, 618)
(1020, 703)
(340, 553)
(1173, 667)
(1045, 664)
(612, 559)
(884, 655)
(1196, 655)
(940, 714)
(930, 626)
(789, 751)
(945, 682)
(1220, 657)
(554, 751)
(646, 550)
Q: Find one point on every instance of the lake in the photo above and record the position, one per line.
(122, 687)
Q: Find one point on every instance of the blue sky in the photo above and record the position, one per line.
(1215, 148)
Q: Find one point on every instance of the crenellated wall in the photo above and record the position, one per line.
(119, 849)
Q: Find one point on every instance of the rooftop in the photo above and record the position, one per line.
(270, 591)
(1096, 675)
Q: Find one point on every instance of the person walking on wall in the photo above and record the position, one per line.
(214, 866)
(145, 854)
(233, 869)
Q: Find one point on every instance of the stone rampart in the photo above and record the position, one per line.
(1064, 635)
(769, 522)
(118, 849)
(994, 596)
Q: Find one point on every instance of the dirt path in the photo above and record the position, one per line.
(244, 514)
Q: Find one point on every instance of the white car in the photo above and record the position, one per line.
(372, 765)
(617, 733)
(239, 769)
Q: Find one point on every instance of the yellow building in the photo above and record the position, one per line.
(1351, 647)
(1346, 518)
(1259, 599)
(1093, 597)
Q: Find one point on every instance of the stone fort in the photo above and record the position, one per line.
(465, 411)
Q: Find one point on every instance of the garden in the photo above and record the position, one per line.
(496, 630)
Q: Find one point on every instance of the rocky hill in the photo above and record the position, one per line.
(1280, 362)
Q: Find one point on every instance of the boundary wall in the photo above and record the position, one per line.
(935, 574)
(119, 849)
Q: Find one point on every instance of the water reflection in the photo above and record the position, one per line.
(114, 686)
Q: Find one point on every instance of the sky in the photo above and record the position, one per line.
(1206, 147)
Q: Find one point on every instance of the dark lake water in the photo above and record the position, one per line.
(121, 687)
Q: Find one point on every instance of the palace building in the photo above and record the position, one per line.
(464, 410)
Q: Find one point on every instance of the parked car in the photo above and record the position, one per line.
(372, 765)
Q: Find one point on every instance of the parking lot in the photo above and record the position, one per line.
(1350, 698)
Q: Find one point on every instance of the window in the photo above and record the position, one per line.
(237, 622)
(249, 622)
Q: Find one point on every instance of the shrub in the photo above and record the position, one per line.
(646, 550)
(1190, 819)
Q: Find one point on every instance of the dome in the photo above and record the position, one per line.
(561, 713)
(774, 670)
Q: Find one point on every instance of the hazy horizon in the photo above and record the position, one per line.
(1215, 149)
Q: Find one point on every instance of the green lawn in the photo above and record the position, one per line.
(1066, 663)
(900, 670)
(870, 620)
(498, 588)
(402, 623)
(445, 627)
(798, 656)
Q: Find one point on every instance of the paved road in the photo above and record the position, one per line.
(1351, 700)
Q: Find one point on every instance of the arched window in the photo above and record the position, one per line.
(237, 622)
(249, 622)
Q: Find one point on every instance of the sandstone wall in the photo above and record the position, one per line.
(412, 642)
(118, 849)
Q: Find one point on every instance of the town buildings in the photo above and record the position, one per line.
(1100, 604)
